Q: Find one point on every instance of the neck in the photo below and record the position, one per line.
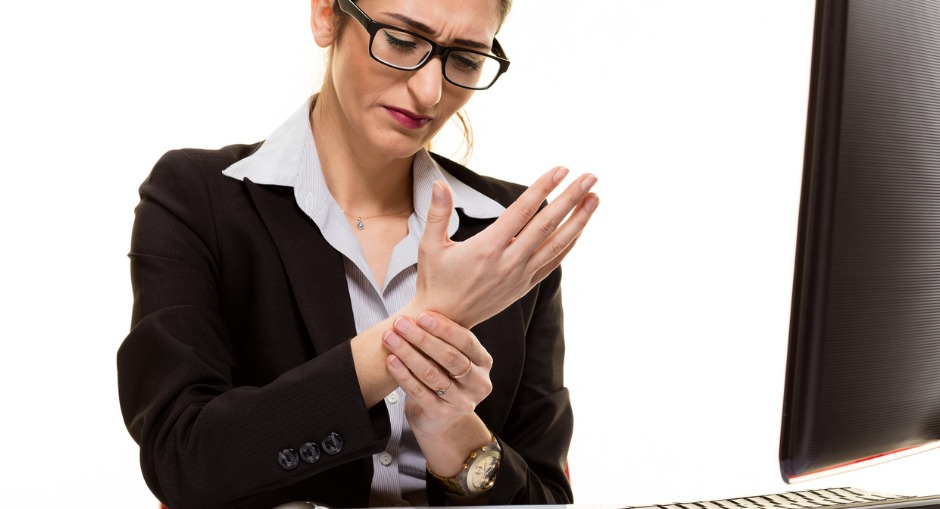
(362, 182)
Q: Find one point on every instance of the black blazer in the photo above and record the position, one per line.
(239, 349)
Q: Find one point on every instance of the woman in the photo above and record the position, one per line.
(303, 306)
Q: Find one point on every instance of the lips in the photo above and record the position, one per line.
(407, 119)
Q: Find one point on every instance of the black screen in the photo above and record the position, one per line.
(863, 369)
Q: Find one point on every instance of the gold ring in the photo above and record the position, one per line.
(465, 373)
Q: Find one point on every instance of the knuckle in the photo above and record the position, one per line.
(416, 389)
(467, 342)
(526, 209)
(556, 248)
(431, 374)
(546, 228)
(451, 358)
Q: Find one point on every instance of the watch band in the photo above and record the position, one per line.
(478, 473)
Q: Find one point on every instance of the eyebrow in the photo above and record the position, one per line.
(417, 25)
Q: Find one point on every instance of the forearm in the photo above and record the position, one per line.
(204, 441)
(369, 356)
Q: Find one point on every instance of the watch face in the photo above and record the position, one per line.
(483, 471)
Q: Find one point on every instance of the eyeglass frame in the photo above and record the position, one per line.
(372, 27)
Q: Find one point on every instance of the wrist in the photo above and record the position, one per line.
(369, 357)
(477, 475)
(447, 452)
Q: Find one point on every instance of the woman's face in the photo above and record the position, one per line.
(398, 112)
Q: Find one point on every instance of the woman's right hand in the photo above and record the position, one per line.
(473, 280)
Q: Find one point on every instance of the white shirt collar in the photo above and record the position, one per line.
(289, 158)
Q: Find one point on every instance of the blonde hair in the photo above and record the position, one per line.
(463, 121)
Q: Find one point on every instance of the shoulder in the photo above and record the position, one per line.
(503, 192)
(187, 171)
(190, 160)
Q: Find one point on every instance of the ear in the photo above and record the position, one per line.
(322, 22)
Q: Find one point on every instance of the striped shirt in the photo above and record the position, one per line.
(289, 158)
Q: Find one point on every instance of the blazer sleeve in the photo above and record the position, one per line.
(537, 433)
(205, 442)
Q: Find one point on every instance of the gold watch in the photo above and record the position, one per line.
(478, 473)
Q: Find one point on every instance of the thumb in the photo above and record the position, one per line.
(442, 204)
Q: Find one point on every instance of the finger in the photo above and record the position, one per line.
(445, 355)
(439, 350)
(551, 217)
(458, 339)
(554, 249)
(547, 269)
(422, 368)
(514, 219)
(439, 211)
(414, 388)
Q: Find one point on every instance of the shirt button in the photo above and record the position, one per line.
(332, 444)
(385, 459)
(392, 398)
(288, 459)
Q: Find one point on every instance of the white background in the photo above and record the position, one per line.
(692, 114)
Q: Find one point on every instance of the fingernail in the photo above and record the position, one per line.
(403, 324)
(391, 339)
(394, 361)
(437, 192)
(588, 182)
(591, 203)
(559, 174)
(426, 322)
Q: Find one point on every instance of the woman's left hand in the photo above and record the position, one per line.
(445, 372)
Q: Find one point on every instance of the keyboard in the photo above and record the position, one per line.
(830, 498)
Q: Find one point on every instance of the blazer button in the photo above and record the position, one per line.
(288, 459)
(309, 452)
(332, 444)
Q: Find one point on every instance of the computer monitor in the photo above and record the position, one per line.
(863, 366)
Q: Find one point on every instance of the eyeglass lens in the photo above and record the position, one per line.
(405, 51)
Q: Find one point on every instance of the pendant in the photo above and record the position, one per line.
(359, 223)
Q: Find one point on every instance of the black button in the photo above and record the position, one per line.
(309, 452)
(288, 459)
(332, 444)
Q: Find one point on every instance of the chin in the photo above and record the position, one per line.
(400, 145)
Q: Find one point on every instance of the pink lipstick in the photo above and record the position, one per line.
(406, 118)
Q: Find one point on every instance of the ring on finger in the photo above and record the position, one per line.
(465, 373)
(441, 392)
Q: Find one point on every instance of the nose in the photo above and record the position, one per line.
(426, 83)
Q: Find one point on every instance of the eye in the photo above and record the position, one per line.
(465, 62)
(400, 41)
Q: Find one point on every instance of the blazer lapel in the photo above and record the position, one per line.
(317, 274)
(315, 270)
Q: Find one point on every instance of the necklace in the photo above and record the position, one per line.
(359, 219)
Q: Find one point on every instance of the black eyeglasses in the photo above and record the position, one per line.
(408, 51)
